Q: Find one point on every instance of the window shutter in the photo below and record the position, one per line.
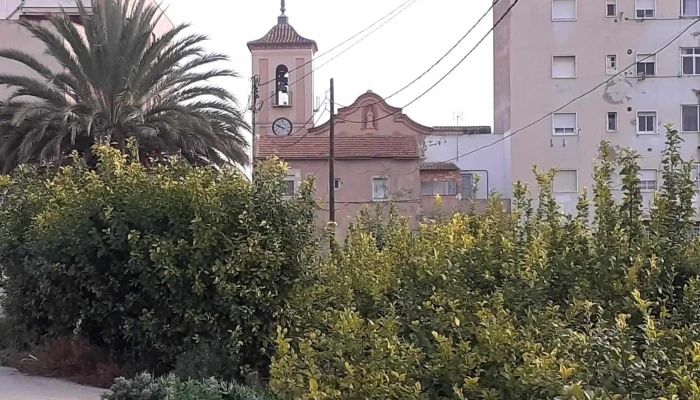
(564, 67)
(565, 182)
(563, 9)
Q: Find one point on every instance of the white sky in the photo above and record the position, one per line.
(384, 62)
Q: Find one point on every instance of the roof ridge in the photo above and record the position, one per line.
(282, 34)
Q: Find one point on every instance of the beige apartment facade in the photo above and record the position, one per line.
(14, 36)
(548, 53)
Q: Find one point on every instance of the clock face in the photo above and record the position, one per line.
(282, 127)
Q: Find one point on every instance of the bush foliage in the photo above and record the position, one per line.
(533, 304)
(210, 274)
(145, 387)
(150, 262)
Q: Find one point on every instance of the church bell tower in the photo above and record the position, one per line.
(282, 61)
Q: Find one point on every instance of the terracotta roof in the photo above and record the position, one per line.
(348, 147)
(438, 166)
(282, 35)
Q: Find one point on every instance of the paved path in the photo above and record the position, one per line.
(15, 386)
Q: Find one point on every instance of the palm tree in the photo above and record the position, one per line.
(118, 81)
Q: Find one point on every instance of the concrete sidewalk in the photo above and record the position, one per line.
(15, 386)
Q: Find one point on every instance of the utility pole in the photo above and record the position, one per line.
(331, 158)
(255, 94)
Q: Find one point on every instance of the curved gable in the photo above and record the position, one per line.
(370, 113)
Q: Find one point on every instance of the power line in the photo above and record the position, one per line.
(577, 97)
(444, 76)
(342, 43)
(307, 131)
(410, 3)
(435, 64)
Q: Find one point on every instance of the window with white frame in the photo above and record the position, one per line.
(337, 183)
(380, 189)
(289, 185)
(696, 175)
(690, 118)
(564, 67)
(611, 64)
(564, 124)
(611, 8)
(645, 9)
(438, 188)
(648, 179)
(690, 61)
(646, 64)
(612, 121)
(691, 8)
(563, 10)
(467, 190)
(565, 181)
(646, 122)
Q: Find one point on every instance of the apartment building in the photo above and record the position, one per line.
(12, 35)
(640, 61)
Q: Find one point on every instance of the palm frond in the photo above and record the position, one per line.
(119, 81)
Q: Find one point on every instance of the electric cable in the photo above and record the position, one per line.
(432, 66)
(342, 43)
(410, 3)
(444, 76)
(676, 37)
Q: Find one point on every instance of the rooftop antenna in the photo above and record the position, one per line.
(457, 116)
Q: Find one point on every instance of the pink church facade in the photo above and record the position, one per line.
(379, 150)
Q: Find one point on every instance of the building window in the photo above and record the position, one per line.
(563, 10)
(645, 9)
(611, 8)
(289, 186)
(646, 64)
(696, 175)
(380, 189)
(438, 188)
(337, 184)
(564, 124)
(690, 61)
(282, 86)
(646, 122)
(612, 121)
(564, 67)
(690, 118)
(691, 8)
(611, 64)
(467, 190)
(648, 179)
(565, 181)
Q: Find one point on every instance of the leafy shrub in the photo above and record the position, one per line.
(533, 304)
(209, 359)
(145, 387)
(145, 262)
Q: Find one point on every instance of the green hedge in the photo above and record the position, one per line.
(145, 387)
(530, 305)
(151, 262)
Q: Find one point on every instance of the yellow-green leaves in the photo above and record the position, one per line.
(148, 259)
